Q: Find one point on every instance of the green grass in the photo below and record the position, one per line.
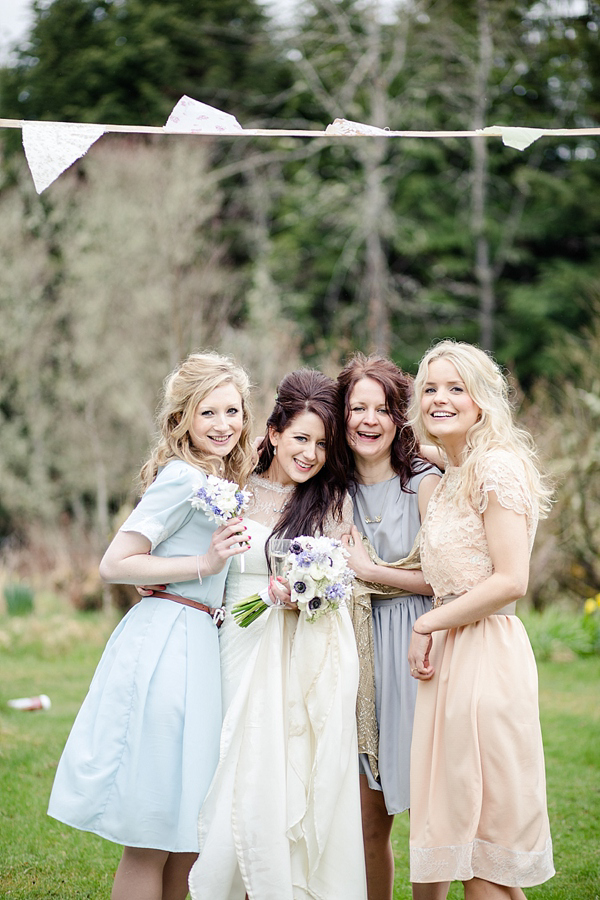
(40, 859)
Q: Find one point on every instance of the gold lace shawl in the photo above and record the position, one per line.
(360, 612)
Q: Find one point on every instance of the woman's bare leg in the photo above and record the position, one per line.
(377, 830)
(139, 874)
(478, 889)
(436, 890)
(175, 875)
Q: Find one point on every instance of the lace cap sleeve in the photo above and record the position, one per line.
(504, 474)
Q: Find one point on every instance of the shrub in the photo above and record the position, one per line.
(19, 598)
(557, 635)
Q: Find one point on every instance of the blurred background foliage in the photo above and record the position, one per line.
(292, 251)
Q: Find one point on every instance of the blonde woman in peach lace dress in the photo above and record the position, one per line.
(478, 792)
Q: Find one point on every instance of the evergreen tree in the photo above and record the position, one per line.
(130, 61)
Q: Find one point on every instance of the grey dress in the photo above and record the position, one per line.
(393, 619)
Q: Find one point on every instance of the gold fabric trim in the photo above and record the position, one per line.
(360, 613)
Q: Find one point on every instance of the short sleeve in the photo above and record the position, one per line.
(165, 506)
(504, 474)
(417, 478)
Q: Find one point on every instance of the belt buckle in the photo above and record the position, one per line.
(218, 616)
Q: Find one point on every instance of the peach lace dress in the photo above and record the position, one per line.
(478, 787)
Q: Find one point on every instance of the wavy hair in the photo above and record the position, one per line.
(495, 427)
(302, 391)
(397, 389)
(193, 380)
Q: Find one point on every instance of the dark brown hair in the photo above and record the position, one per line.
(397, 389)
(308, 390)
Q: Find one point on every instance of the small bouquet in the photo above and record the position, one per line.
(221, 500)
(319, 577)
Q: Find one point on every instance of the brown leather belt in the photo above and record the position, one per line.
(217, 613)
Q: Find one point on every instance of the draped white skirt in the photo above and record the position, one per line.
(282, 817)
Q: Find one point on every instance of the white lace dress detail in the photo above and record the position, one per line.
(268, 501)
(469, 562)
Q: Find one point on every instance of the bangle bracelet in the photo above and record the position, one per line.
(198, 569)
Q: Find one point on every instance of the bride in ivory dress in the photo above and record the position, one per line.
(282, 818)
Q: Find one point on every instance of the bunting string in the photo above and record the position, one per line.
(51, 147)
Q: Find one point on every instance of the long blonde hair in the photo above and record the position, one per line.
(495, 427)
(183, 390)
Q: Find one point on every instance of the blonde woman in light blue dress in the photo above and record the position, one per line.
(145, 744)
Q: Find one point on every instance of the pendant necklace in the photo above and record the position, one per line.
(375, 520)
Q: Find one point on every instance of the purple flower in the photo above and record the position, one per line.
(315, 603)
(335, 591)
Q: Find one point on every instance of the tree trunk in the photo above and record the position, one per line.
(483, 267)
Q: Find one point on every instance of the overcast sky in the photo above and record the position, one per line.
(15, 18)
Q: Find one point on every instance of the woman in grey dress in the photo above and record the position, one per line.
(390, 485)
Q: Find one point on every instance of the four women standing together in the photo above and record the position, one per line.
(281, 819)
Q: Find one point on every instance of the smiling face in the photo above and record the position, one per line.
(369, 428)
(447, 408)
(301, 449)
(218, 421)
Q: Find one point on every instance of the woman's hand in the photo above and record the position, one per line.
(358, 558)
(147, 590)
(228, 540)
(280, 592)
(418, 656)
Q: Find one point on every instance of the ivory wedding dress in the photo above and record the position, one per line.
(282, 817)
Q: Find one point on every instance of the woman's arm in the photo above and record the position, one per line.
(404, 579)
(506, 533)
(360, 562)
(433, 455)
(128, 559)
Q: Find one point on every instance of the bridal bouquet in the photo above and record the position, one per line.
(221, 500)
(319, 578)
(319, 575)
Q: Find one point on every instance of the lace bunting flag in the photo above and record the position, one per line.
(192, 115)
(346, 126)
(51, 147)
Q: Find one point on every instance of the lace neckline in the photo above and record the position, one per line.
(269, 499)
(259, 481)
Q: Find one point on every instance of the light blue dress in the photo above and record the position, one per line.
(393, 618)
(145, 744)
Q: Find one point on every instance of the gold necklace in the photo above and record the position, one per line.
(376, 519)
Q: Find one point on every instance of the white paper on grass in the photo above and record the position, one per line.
(51, 147)
(519, 138)
(192, 115)
(345, 126)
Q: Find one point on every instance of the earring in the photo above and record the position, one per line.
(274, 451)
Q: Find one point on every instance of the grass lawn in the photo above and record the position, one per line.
(40, 859)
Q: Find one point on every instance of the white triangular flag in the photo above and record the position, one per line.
(51, 147)
(192, 115)
(346, 126)
(519, 138)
